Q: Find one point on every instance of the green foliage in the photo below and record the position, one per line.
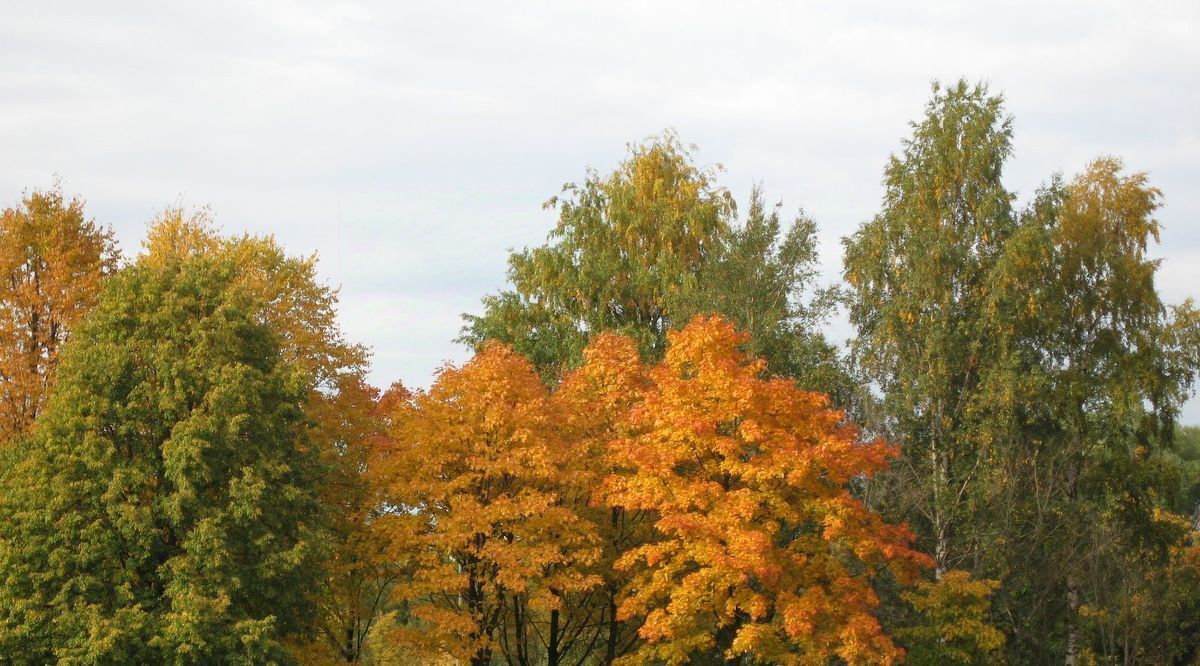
(625, 247)
(1159, 617)
(1094, 369)
(917, 274)
(338, 407)
(644, 249)
(1184, 459)
(953, 626)
(164, 510)
(191, 458)
(1029, 369)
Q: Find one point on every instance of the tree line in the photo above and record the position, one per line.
(656, 454)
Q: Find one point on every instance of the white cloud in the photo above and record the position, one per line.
(411, 144)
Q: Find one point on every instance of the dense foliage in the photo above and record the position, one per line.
(655, 456)
(165, 508)
(1030, 374)
(643, 250)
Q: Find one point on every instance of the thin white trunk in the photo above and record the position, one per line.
(940, 545)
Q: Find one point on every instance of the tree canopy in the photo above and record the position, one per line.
(642, 250)
(655, 455)
(165, 510)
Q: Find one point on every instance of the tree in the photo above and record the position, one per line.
(164, 510)
(917, 274)
(637, 252)
(1155, 617)
(953, 626)
(339, 407)
(1184, 460)
(643, 249)
(353, 594)
(760, 551)
(471, 483)
(591, 407)
(1096, 368)
(52, 263)
(1029, 370)
(293, 301)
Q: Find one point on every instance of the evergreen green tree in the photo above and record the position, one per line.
(165, 509)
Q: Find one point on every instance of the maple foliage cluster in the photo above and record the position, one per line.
(656, 454)
(500, 494)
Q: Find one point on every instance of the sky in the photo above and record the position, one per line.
(411, 145)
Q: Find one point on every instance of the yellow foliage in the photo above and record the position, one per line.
(52, 263)
(953, 627)
(471, 477)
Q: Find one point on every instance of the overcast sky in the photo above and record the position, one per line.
(411, 145)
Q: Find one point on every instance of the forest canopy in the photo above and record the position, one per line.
(657, 453)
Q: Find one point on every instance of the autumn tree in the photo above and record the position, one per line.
(52, 262)
(592, 406)
(165, 509)
(953, 625)
(472, 488)
(1029, 371)
(347, 423)
(339, 406)
(760, 551)
(641, 250)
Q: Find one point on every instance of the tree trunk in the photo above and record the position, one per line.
(552, 651)
(475, 601)
(1072, 615)
(941, 541)
(610, 652)
(1074, 471)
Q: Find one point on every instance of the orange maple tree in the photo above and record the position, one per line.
(760, 548)
(474, 510)
(692, 509)
(348, 422)
(592, 405)
(52, 263)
